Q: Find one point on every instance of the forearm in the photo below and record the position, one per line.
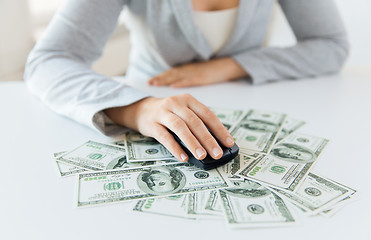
(59, 71)
(229, 69)
(306, 59)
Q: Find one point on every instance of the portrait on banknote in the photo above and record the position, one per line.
(161, 180)
(248, 189)
(118, 163)
(293, 153)
(260, 125)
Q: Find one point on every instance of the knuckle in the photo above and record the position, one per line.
(160, 135)
(208, 140)
(176, 123)
(209, 114)
(187, 96)
(194, 121)
(169, 101)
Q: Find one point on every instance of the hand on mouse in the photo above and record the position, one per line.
(183, 115)
(199, 73)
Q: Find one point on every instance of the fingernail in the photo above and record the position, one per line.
(217, 152)
(183, 157)
(200, 153)
(229, 141)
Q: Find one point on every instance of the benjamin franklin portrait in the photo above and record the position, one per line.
(118, 163)
(293, 153)
(247, 189)
(161, 180)
(260, 126)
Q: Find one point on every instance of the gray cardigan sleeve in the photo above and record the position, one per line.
(58, 69)
(321, 48)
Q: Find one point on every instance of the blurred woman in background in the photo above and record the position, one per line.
(177, 43)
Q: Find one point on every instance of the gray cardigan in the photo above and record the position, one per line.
(163, 35)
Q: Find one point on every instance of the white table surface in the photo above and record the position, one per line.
(35, 203)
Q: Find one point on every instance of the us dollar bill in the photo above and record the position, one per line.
(230, 169)
(196, 205)
(212, 203)
(95, 156)
(258, 130)
(316, 193)
(67, 170)
(250, 154)
(288, 163)
(141, 148)
(289, 126)
(229, 117)
(337, 206)
(144, 182)
(64, 169)
(249, 204)
(171, 206)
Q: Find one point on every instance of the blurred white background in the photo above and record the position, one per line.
(22, 22)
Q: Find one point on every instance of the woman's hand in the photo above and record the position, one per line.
(183, 115)
(200, 73)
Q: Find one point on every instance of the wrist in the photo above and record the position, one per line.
(230, 69)
(127, 115)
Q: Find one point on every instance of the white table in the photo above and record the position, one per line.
(37, 204)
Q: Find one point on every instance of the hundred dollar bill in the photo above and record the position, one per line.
(212, 203)
(316, 193)
(196, 205)
(288, 162)
(172, 206)
(145, 182)
(95, 156)
(126, 164)
(330, 211)
(258, 130)
(231, 168)
(141, 148)
(249, 204)
(229, 117)
(289, 126)
(64, 169)
(250, 154)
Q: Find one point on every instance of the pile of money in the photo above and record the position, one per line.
(270, 183)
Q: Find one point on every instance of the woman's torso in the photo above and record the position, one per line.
(164, 33)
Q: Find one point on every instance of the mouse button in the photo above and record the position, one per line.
(207, 160)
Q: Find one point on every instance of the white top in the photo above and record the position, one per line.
(216, 26)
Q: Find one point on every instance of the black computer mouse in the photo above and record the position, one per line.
(208, 162)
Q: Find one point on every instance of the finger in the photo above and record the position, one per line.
(180, 128)
(188, 82)
(164, 79)
(212, 122)
(199, 130)
(162, 135)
